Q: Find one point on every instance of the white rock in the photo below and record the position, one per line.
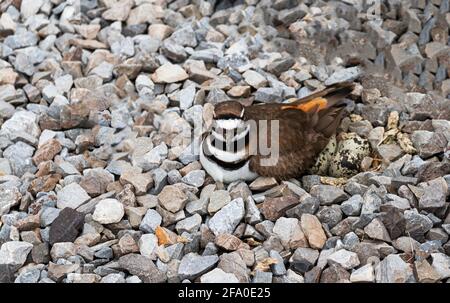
(441, 263)
(345, 258)
(218, 276)
(14, 253)
(108, 211)
(365, 273)
(169, 73)
(147, 245)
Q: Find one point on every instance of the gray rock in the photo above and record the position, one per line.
(14, 254)
(278, 269)
(142, 267)
(192, 265)
(417, 224)
(348, 74)
(344, 258)
(352, 207)
(434, 194)
(227, 218)
(190, 224)
(147, 246)
(328, 194)
(113, 278)
(441, 264)
(194, 178)
(262, 277)
(72, 195)
(217, 200)
(151, 220)
(393, 270)
(9, 197)
(364, 274)
(19, 156)
(269, 95)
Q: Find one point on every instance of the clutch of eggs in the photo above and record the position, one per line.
(343, 158)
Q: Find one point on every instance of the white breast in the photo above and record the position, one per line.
(221, 174)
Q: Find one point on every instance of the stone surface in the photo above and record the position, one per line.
(72, 195)
(344, 258)
(218, 276)
(108, 211)
(193, 265)
(13, 254)
(313, 231)
(142, 267)
(226, 219)
(66, 227)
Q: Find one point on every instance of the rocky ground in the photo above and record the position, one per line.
(100, 181)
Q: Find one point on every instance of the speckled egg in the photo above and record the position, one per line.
(351, 150)
(324, 159)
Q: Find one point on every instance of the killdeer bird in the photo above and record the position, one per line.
(237, 146)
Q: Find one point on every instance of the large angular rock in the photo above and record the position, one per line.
(193, 265)
(226, 219)
(108, 211)
(142, 267)
(393, 270)
(172, 198)
(312, 228)
(290, 233)
(66, 227)
(13, 254)
(72, 195)
(9, 197)
(169, 73)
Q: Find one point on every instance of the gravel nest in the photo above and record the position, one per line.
(100, 180)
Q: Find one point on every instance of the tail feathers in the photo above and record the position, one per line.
(330, 121)
(327, 98)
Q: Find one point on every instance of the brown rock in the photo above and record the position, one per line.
(66, 227)
(425, 272)
(57, 272)
(274, 208)
(376, 230)
(119, 11)
(393, 221)
(128, 244)
(169, 73)
(95, 181)
(312, 228)
(88, 44)
(228, 242)
(263, 183)
(172, 198)
(47, 151)
(140, 182)
(142, 267)
(44, 184)
(165, 236)
(239, 91)
(28, 223)
(313, 276)
(335, 274)
(8, 76)
(159, 31)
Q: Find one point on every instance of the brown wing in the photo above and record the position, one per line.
(304, 130)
